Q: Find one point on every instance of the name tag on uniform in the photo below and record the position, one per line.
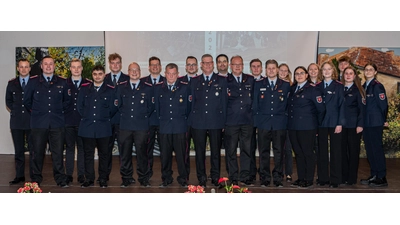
(263, 89)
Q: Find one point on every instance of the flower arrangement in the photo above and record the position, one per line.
(223, 183)
(195, 189)
(232, 188)
(30, 188)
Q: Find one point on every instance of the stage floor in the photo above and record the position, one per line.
(49, 185)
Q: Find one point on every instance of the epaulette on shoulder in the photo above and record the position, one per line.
(12, 79)
(34, 76)
(318, 83)
(261, 79)
(222, 75)
(183, 82)
(110, 86)
(85, 84)
(285, 81)
(88, 80)
(338, 81)
(123, 82)
(311, 84)
(376, 81)
(159, 83)
(148, 84)
(197, 76)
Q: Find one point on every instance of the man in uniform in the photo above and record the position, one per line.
(207, 118)
(46, 98)
(114, 78)
(222, 64)
(154, 78)
(269, 106)
(72, 119)
(173, 103)
(239, 122)
(19, 119)
(97, 104)
(135, 102)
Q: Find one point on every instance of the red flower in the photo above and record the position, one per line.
(222, 179)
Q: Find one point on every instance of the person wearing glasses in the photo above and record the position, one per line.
(270, 117)
(354, 106)
(191, 71)
(207, 118)
(239, 122)
(153, 78)
(329, 156)
(306, 111)
(136, 104)
(375, 116)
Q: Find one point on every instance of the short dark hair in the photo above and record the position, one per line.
(171, 66)
(344, 58)
(255, 60)
(271, 61)
(221, 55)
(97, 68)
(191, 57)
(114, 56)
(154, 58)
(46, 57)
(23, 60)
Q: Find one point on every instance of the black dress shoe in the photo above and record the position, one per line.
(322, 183)
(81, 179)
(125, 183)
(203, 184)
(17, 180)
(87, 184)
(184, 185)
(379, 182)
(164, 184)
(103, 183)
(145, 184)
(265, 183)
(333, 185)
(69, 179)
(63, 184)
(306, 184)
(278, 184)
(368, 180)
(247, 183)
(296, 183)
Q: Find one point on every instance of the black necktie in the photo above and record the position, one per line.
(115, 80)
(346, 88)
(96, 88)
(48, 79)
(272, 85)
(170, 87)
(207, 80)
(23, 83)
(326, 85)
(76, 83)
(298, 88)
(133, 86)
(238, 79)
(154, 80)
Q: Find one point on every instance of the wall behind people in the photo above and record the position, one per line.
(9, 40)
(291, 47)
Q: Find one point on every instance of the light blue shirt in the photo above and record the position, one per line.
(25, 78)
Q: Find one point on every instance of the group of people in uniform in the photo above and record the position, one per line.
(320, 115)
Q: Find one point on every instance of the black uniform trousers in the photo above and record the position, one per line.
(20, 139)
(374, 148)
(153, 136)
(89, 145)
(200, 139)
(127, 138)
(55, 137)
(111, 142)
(350, 155)
(72, 139)
(303, 147)
(253, 149)
(329, 165)
(243, 135)
(173, 143)
(189, 137)
(287, 156)
(265, 137)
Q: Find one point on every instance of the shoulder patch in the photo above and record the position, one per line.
(110, 86)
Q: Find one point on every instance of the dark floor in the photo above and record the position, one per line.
(49, 185)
